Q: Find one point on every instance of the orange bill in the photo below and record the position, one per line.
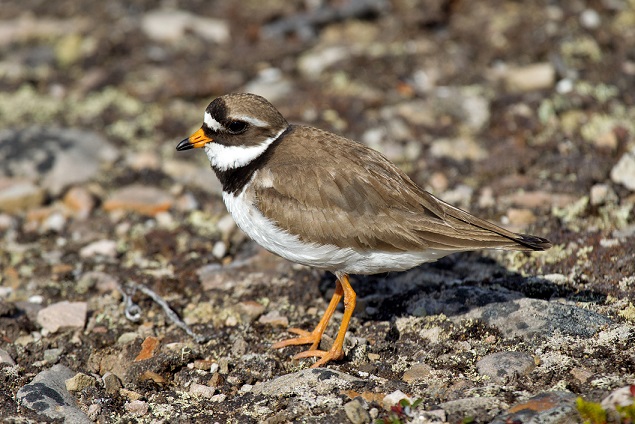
(196, 140)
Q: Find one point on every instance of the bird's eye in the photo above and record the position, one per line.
(236, 127)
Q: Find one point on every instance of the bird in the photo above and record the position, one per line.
(331, 203)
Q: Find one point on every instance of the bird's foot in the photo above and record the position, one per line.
(305, 337)
(334, 354)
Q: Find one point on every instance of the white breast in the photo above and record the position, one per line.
(339, 260)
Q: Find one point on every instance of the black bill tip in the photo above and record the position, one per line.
(184, 145)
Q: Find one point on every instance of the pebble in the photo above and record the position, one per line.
(394, 398)
(624, 171)
(17, 195)
(459, 149)
(112, 384)
(590, 19)
(219, 250)
(274, 318)
(144, 200)
(538, 76)
(51, 356)
(202, 390)
(107, 248)
(5, 357)
(502, 366)
(250, 310)
(520, 217)
(166, 25)
(305, 382)
(63, 315)
(79, 201)
(60, 157)
(546, 408)
(602, 194)
(417, 373)
(137, 407)
(479, 409)
(313, 63)
(271, 84)
(356, 412)
(46, 394)
(527, 317)
(79, 382)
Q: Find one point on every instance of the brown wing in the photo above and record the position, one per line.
(335, 191)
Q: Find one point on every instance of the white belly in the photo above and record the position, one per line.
(339, 260)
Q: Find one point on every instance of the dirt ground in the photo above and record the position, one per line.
(521, 112)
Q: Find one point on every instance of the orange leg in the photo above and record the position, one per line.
(344, 289)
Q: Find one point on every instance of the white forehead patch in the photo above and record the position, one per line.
(211, 123)
(223, 157)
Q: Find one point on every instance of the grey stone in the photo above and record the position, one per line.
(17, 195)
(63, 315)
(46, 394)
(318, 380)
(544, 408)
(5, 357)
(480, 409)
(112, 384)
(501, 366)
(538, 318)
(356, 412)
(624, 171)
(60, 157)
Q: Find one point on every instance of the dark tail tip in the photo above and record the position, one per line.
(533, 242)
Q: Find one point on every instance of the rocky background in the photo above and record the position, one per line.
(521, 112)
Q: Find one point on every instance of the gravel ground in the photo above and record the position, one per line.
(521, 112)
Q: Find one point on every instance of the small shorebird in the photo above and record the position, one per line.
(322, 200)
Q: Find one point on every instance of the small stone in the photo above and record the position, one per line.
(581, 374)
(548, 407)
(602, 194)
(137, 407)
(246, 388)
(127, 337)
(144, 200)
(274, 318)
(17, 195)
(79, 382)
(5, 358)
(63, 315)
(459, 149)
(502, 366)
(479, 409)
(167, 25)
(203, 364)
(417, 373)
(356, 412)
(130, 394)
(219, 250)
(79, 201)
(223, 364)
(590, 19)
(624, 171)
(46, 394)
(112, 384)
(51, 356)
(394, 398)
(520, 217)
(202, 390)
(104, 283)
(307, 382)
(271, 84)
(538, 76)
(107, 248)
(60, 157)
(250, 310)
